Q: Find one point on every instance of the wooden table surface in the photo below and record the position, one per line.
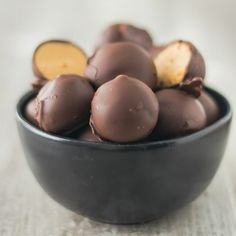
(26, 210)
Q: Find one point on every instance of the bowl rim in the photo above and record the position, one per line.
(124, 146)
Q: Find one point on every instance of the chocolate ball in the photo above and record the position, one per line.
(88, 135)
(121, 58)
(63, 104)
(177, 62)
(125, 32)
(211, 108)
(31, 111)
(180, 114)
(124, 110)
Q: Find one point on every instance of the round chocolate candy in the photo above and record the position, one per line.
(124, 110)
(177, 62)
(63, 104)
(56, 57)
(125, 32)
(211, 108)
(180, 114)
(121, 58)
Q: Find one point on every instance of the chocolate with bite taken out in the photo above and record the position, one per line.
(121, 58)
(180, 114)
(178, 61)
(56, 57)
(211, 108)
(63, 104)
(30, 112)
(125, 32)
(124, 110)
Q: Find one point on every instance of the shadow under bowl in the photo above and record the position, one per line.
(125, 183)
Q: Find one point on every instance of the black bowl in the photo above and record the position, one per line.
(125, 183)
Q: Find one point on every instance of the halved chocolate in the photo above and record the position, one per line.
(125, 58)
(56, 57)
(177, 62)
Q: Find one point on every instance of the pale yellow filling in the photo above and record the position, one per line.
(56, 58)
(172, 63)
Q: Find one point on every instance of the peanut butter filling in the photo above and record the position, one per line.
(172, 63)
(54, 58)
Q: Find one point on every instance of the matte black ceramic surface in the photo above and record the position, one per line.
(128, 183)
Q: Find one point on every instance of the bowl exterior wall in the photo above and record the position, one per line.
(124, 185)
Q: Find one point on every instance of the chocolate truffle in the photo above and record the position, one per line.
(63, 104)
(30, 112)
(178, 61)
(211, 108)
(88, 135)
(180, 114)
(56, 57)
(124, 110)
(125, 32)
(121, 58)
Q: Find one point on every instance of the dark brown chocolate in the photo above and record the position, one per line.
(211, 108)
(31, 111)
(180, 114)
(121, 58)
(63, 104)
(125, 32)
(124, 110)
(192, 86)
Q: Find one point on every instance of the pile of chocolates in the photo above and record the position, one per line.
(129, 90)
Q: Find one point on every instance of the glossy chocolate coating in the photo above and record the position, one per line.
(197, 66)
(63, 103)
(180, 114)
(211, 108)
(30, 112)
(124, 110)
(125, 32)
(121, 58)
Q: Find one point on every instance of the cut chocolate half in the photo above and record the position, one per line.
(177, 62)
(56, 57)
